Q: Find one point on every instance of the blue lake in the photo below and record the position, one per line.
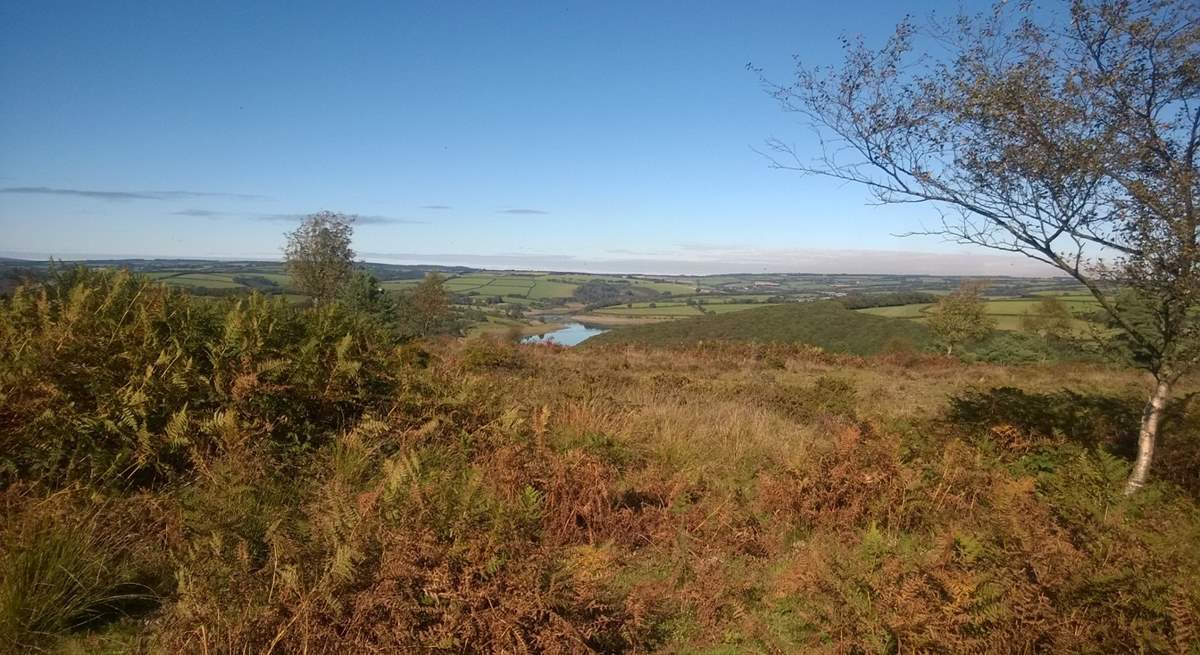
(571, 334)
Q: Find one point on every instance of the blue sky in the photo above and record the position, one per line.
(583, 136)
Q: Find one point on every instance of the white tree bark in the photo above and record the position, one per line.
(1148, 435)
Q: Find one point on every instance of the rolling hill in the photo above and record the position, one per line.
(826, 324)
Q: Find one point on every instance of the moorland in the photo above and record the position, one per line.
(241, 473)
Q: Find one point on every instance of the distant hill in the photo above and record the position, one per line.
(826, 324)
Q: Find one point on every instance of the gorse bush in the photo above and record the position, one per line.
(109, 376)
(492, 353)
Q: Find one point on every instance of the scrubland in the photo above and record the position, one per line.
(247, 476)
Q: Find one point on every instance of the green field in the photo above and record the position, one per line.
(899, 311)
(561, 286)
(725, 308)
(1017, 307)
(397, 285)
(1066, 295)
(203, 280)
(1007, 312)
(642, 310)
(525, 286)
(676, 309)
(512, 287)
(654, 284)
(717, 294)
(551, 288)
(281, 279)
(673, 288)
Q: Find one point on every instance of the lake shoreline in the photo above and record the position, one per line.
(565, 334)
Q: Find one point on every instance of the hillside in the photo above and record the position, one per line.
(827, 324)
(496, 300)
(235, 476)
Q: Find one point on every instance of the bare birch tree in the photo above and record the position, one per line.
(1071, 140)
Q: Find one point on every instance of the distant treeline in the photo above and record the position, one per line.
(229, 292)
(865, 300)
(17, 276)
(600, 293)
(257, 282)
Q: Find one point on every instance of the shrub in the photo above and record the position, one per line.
(827, 397)
(1010, 413)
(489, 353)
(110, 376)
(1004, 347)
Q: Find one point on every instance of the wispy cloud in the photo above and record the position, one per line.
(637, 253)
(359, 219)
(199, 213)
(521, 210)
(436, 207)
(700, 246)
(373, 219)
(99, 194)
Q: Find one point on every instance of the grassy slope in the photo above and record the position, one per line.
(827, 325)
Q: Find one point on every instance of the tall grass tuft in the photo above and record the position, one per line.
(60, 574)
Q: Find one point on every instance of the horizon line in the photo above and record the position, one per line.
(76, 258)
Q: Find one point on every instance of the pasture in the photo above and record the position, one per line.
(670, 310)
(202, 281)
(1007, 312)
(662, 297)
(677, 309)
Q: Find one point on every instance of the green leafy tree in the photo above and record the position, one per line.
(1049, 318)
(1071, 137)
(363, 296)
(318, 255)
(961, 317)
(426, 310)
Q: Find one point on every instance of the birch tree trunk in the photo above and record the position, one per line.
(1148, 435)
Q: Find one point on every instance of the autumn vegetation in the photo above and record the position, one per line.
(234, 476)
(346, 474)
